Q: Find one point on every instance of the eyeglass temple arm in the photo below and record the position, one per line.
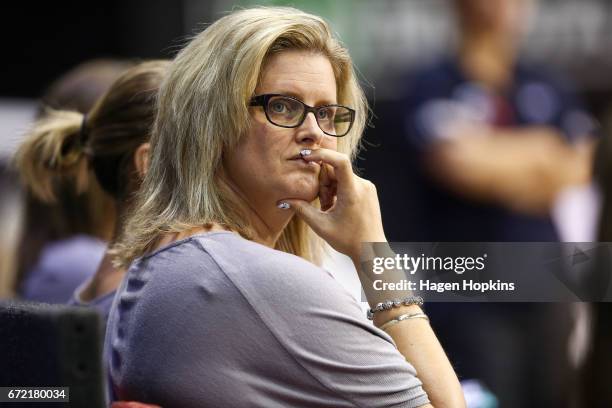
(258, 101)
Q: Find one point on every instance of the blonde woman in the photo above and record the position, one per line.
(259, 118)
(112, 142)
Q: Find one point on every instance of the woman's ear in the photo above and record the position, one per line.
(141, 159)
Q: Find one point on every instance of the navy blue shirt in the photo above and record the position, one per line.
(441, 93)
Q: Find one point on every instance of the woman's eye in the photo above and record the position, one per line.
(278, 107)
(324, 113)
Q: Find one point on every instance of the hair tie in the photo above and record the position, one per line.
(83, 131)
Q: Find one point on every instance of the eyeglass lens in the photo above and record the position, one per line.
(333, 120)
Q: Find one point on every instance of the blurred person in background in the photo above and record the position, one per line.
(495, 140)
(111, 140)
(500, 137)
(62, 242)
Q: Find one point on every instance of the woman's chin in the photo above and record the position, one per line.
(303, 189)
(303, 196)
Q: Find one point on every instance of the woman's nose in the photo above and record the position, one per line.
(309, 131)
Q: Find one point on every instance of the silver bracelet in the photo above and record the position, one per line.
(403, 317)
(390, 304)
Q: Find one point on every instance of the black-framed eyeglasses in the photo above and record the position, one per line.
(289, 112)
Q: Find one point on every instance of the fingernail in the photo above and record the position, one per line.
(283, 205)
(305, 152)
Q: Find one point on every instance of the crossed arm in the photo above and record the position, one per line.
(521, 169)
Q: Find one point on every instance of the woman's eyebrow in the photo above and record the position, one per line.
(300, 96)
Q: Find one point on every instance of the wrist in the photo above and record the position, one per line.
(383, 317)
(367, 250)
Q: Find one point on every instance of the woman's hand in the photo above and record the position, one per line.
(350, 213)
(350, 216)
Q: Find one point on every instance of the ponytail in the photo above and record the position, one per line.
(52, 152)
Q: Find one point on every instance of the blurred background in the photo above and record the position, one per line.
(388, 39)
(538, 69)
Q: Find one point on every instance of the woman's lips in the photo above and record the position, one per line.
(295, 157)
(303, 163)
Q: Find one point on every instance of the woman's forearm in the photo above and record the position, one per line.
(417, 342)
(487, 169)
(414, 338)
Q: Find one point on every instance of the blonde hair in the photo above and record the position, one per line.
(203, 112)
(65, 144)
